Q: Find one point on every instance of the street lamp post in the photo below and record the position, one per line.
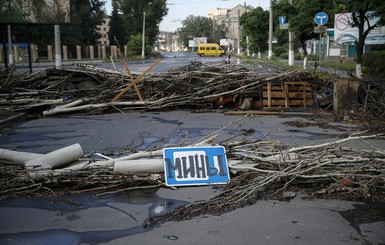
(57, 47)
(10, 51)
(291, 48)
(143, 34)
(144, 30)
(270, 51)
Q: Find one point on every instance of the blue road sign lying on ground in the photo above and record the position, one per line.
(195, 166)
(321, 18)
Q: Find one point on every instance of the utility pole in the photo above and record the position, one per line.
(239, 34)
(247, 37)
(144, 32)
(270, 52)
(10, 51)
(291, 49)
(57, 47)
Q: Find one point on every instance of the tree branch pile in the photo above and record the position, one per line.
(90, 89)
(372, 97)
(258, 168)
(268, 170)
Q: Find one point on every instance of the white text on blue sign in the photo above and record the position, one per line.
(195, 166)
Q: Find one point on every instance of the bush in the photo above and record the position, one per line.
(279, 50)
(284, 56)
(135, 46)
(373, 62)
(312, 57)
(156, 54)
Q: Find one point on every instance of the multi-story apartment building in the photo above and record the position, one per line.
(230, 18)
(164, 41)
(103, 30)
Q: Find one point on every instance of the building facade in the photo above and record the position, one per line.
(230, 18)
(103, 30)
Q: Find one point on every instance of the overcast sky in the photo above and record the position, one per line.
(178, 10)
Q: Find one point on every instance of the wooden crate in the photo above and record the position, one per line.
(287, 95)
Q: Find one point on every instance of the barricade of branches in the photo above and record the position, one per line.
(91, 89)
(258, 168)
(268, 170)
(371, 96)
(16, 180)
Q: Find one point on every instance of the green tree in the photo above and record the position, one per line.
(218, 31)
(116, 31)
(135, 45)
(257, 19)
(364, 13)
(199, 26)
(86, 15)
(133, 10)
(300, 16)
(282, 8)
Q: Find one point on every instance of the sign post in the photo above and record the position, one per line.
(283, 22)
(320, 19)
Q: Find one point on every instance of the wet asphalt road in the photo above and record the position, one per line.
(118, 219)
(169, 61)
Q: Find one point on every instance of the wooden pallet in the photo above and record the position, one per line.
(287, 95)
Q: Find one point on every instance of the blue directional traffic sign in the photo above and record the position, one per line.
(321, 18)
(282, 20)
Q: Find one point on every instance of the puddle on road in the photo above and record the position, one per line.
(165, 121)
(148, 141)
(68, 237)
(23, 141)
(195, 132)
(70, 205)
(314, 134)
(245, 133)
(370, 212)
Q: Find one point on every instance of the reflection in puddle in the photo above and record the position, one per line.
(245, 133)
(313, 135)
(159, 205)
(147, 141)
(364, 213)
(195, 132)
(163, 121)
(85, 201)
(61, 236)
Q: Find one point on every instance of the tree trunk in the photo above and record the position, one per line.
(360, 43)
(359, 70)
(303, 45)
(359, 51)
